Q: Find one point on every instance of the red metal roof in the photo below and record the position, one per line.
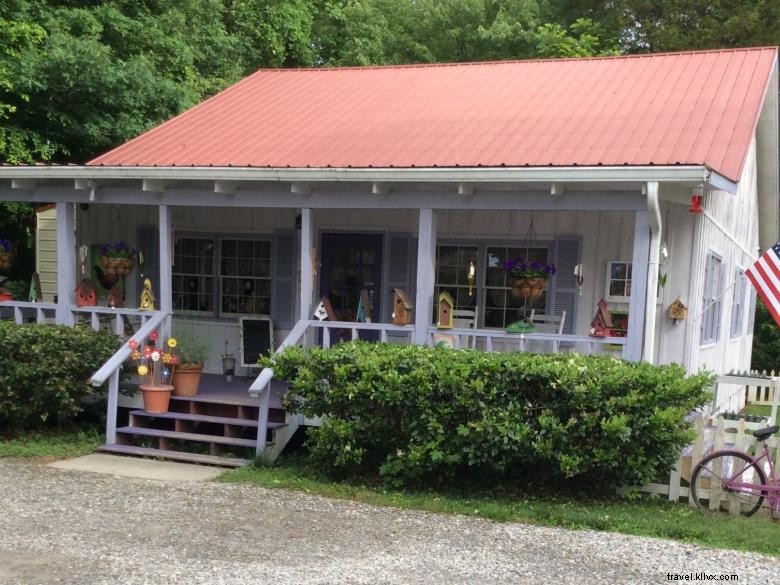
(669, 109)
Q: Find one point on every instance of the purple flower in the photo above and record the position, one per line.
(525, 268)
(6, 245)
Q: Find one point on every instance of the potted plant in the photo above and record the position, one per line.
(155, 366)
(117, 258)
(192, 357)
(527, 277)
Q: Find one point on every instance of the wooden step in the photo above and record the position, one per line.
(175, 455)
(217, 439)
(215, 398)
(221, 420)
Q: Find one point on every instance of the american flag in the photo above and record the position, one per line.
(765, 276)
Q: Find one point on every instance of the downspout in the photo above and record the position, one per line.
(654, 215)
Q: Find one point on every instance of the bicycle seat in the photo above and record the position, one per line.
(765, 433)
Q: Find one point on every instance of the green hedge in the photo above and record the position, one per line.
(45, 371)
(415, 413)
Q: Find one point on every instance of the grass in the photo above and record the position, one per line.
(641, 517)
(53, 444)
(757, 409)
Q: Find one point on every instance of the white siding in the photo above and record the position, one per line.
(736, 241)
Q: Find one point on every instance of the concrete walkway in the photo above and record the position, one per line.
(142, 468)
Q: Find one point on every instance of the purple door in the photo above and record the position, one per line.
(352, 263)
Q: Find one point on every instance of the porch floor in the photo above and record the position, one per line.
(214, 389)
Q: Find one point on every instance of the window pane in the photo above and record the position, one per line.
(448, 256)
(246, 276)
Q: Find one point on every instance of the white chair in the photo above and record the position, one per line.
(465, 319)
(547, 323)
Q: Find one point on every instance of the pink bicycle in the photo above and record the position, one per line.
(731, 481)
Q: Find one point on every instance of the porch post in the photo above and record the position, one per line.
(66, 263)
(426, 275)
(307, 268)
(166, 268)
(636, 306)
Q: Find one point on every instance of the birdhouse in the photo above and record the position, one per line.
(114, 300)
(402, 307)
(677, 311)
(601, 326)
(147, 297)
(86, 294)
(446, 308)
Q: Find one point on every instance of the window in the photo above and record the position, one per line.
(618, 281)
(452, 272)
(738, 303)
(711, 301)
(225, 276)
(491, 290)
(501, 305)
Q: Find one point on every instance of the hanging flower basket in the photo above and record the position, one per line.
(117, 259)
(114, 266)
(6, 260)
(6, 254)
(524, 288)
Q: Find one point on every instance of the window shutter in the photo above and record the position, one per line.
(283, 292)
(149, 245)
(564, 283)
(399, 273)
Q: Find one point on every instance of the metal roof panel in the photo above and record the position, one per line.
(677, 108)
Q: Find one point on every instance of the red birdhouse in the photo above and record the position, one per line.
(86, 294)
(446, 307)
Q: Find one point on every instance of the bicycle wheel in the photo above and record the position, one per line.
(713, 473)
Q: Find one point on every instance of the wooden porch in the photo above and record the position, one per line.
(218, 426)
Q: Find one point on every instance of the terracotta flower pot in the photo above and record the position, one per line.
(186, 379)
(156, 397)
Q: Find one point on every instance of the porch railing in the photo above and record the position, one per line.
(490, 339)
(97, 317)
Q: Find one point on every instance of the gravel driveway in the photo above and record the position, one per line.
(70, 527)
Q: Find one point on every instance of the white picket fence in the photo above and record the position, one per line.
(713, 432)
(717, 434)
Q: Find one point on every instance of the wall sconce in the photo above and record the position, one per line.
(579, 271)
(697, 198)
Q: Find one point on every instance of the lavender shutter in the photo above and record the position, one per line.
(400, 274)
(283, 290)
(564, 283)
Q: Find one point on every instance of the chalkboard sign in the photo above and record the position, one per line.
(256, 339)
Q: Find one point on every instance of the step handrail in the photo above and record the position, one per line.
(121, 355)
(111, 368)
(261, 387)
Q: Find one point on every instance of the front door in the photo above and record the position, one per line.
(352, 263)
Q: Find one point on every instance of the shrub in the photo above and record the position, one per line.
(45, 371)
(415, 413)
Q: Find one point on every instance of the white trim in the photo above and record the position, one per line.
(692, 173)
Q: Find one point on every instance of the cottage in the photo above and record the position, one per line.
(641, 180)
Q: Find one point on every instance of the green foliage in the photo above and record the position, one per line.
(415, 413)
(766, 340)
(190, 349)
(45, 371)
(52, 444)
